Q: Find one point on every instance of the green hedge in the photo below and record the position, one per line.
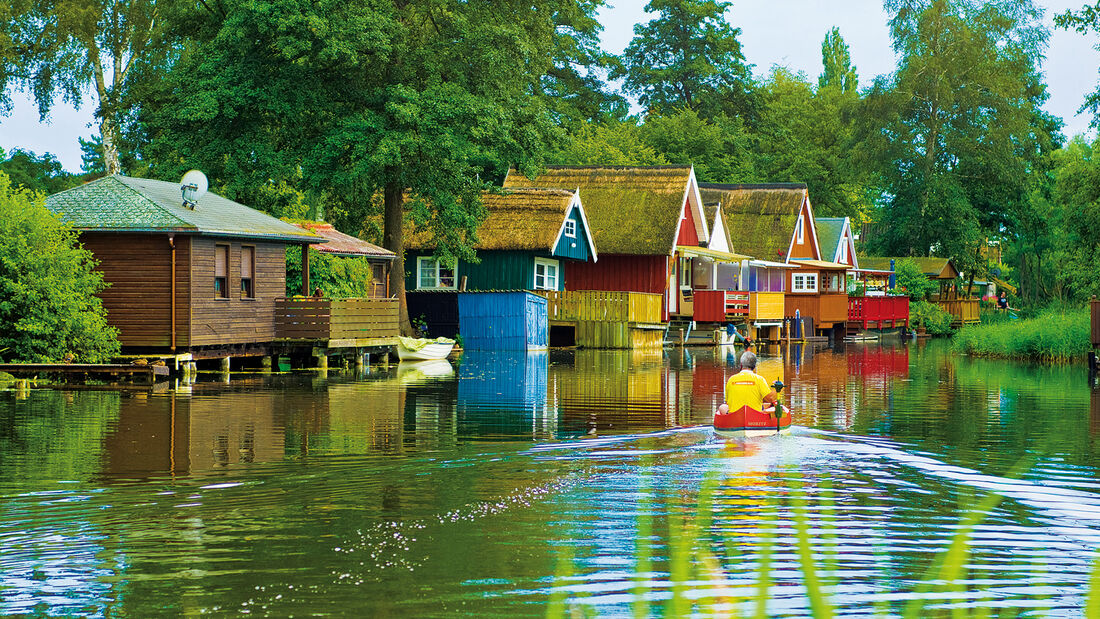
(1054, 335)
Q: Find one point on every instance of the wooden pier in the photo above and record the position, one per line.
(148, 374)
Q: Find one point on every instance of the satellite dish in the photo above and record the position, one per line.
(194, 186)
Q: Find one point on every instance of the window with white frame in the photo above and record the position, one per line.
(546, 274)
(844, 253)
(571, 228)
(799, 236)
(804, 282)
(431, 273)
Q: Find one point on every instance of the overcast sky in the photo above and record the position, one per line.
(773, 32)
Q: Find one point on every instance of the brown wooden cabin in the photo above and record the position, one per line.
(346, 246)
(775, 222)
(201, 280)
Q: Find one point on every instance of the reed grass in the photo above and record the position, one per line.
(1052, 336)
(692, 566)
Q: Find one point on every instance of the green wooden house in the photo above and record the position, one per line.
(522, 244)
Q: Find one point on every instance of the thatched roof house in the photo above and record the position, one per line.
(526, 233)
(524, 218)
(761, 218)
(633, 210)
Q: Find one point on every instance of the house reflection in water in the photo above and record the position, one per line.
(504, 393)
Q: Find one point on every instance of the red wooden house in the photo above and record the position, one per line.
(647, 222)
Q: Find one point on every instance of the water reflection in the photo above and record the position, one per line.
(457, 487)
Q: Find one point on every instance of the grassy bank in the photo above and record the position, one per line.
(1053, 335)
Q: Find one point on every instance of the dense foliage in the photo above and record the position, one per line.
(48, 308)
(911, 281)
(367, 113)
(337, 276)
(1051, 336)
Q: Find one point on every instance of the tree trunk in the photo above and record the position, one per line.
(109, 135)
(393, 199)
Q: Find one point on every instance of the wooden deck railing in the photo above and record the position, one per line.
(965, 311)
(878, 310)
(603, 306)
(335, 319)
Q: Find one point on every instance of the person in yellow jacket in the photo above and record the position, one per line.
(747, 388)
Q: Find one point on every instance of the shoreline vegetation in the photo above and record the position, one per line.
(1055, 335)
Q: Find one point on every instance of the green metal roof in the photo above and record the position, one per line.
(126, 204)
(829, 230)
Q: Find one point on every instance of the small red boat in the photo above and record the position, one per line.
(749, 422)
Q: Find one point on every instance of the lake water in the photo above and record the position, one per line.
(501, 483)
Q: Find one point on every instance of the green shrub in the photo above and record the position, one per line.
(930, 316)
(337, 276)
(1054, 335)
(911, 281)
(48, 282)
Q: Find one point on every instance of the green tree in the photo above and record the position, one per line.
(808, 137)
(48, 308)
(911, 281)
(719, 148)
(688, 56)
(612, 143)
(429, 99)
(1077, 194)
(573, 87)
(838, 71)
(64, 48)
(42, 174)
(956, 129)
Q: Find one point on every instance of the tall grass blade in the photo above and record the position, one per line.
(819, 602)
(555, 608)
(1092, 605)
(767, 544)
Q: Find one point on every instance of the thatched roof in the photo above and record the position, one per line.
(631, 210)
(522, 218)
(934, 268)
(760, 218)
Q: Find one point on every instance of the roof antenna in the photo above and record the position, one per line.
(193, 186)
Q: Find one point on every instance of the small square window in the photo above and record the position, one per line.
(546, 274)
(571, 228)
(431, 273)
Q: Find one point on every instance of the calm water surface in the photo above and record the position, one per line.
(501, 483)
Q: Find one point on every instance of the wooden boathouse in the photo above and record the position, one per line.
(775, 222)
(203, 281)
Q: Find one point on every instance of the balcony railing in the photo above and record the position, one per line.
(335, 319)
(965, 311)
(878, 311)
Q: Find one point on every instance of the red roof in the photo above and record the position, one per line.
(341, 244)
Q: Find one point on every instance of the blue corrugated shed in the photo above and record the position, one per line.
(502, 320)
